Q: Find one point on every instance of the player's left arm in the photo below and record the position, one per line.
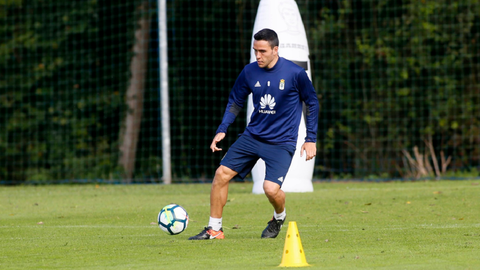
(310, 149)
(309, 97)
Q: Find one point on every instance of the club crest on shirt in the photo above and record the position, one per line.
(282, 84)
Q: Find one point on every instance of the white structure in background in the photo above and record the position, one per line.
(283, 17)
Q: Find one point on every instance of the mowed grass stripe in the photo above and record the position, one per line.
(411, 225)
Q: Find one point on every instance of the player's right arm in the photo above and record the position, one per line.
(216, 140)
(236, 101)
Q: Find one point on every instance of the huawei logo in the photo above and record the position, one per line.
(267, 100)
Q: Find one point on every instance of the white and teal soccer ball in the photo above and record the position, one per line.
(173, 219)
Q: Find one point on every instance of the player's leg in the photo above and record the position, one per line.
(275, 195)
(219, 191)
(238, 160)
(277, 162)
(218, 199)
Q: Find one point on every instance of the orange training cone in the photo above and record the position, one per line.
(293, 255)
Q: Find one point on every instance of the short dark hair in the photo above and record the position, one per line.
(267, 35)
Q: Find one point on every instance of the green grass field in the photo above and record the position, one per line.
(411, 225)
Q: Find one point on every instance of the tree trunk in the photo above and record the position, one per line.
(130, 131)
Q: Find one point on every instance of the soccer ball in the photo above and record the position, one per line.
(173, 219)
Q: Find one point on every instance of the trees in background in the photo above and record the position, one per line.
(395, 76)
(398, 83)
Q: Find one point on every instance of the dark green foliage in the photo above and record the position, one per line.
(393, 74)
(390, 75)
(63, 74)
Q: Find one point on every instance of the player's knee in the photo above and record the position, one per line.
(270, 188)
(223, 174)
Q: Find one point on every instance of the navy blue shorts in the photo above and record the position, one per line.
(244, 153)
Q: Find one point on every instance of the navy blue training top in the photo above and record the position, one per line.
(278, 94)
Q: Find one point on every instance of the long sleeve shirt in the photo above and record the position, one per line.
(278, 94)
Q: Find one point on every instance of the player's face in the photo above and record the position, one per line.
(265, 55)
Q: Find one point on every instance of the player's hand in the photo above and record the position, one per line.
(310, 149)
(216, 140)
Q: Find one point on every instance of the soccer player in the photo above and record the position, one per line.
(279, 87)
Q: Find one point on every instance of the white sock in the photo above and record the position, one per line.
(280, 216)
(215, 223)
